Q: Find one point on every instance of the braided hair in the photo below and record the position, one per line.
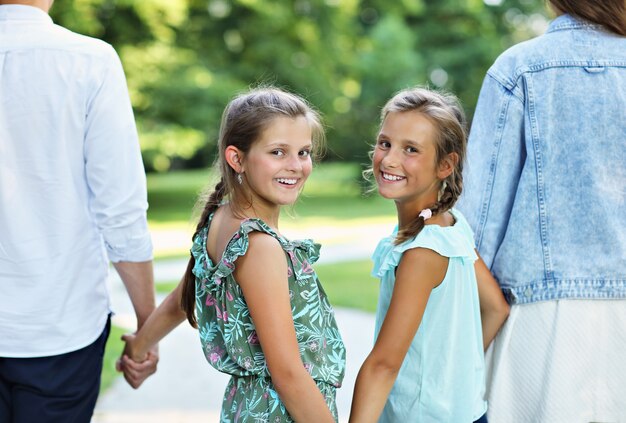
(243, 122)
(444, 111)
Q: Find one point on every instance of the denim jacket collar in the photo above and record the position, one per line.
(566, 21)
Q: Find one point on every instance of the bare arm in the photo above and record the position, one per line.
(419, 271)
(138, 278)
(164, 319)
(493, 307)
(140, 349)
(267, 296)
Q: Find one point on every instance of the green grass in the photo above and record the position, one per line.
(332, 197)
(172, 195)
(347, 284)
(165, 287)
(333, 191)
(112, 352)
(337, 207)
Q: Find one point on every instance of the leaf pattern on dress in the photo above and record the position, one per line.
(228, 335)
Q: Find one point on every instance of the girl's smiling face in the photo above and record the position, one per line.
(405, 159)
(279, 162)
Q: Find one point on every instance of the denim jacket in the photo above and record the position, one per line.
(545, 187)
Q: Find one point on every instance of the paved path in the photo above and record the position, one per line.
(186, 388)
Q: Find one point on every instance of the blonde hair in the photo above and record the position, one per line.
(444, 111)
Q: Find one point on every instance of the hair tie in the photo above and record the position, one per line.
(426, 214)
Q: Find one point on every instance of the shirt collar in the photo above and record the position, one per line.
(19, 12)
(566, 21)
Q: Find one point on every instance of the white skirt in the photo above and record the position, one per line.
(559, 361)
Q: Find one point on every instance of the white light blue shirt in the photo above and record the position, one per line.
(442, 378)
(72, 184)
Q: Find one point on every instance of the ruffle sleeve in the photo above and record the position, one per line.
(213, 274)
(226, 329)
(310, 249)
(452, 241)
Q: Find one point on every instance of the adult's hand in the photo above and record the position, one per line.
(140, 356)
(137, 367)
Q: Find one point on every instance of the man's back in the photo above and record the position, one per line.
(70, 175)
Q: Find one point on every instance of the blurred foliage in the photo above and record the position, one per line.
(332, 192)
(185, 59)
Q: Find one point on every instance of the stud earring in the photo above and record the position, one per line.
(239, 179)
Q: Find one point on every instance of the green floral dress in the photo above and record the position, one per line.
(228, 335)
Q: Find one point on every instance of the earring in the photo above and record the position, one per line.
(444, 185)
(239, 179)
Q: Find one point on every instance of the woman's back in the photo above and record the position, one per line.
(553, 110)
(545, 195)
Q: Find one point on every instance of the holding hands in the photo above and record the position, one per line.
(141, 353)
(137, 365)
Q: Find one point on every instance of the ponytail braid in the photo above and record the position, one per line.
(448, 198)
(450, 195)
(212, 203)
(188, 296)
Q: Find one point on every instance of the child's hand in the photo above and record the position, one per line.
(136, 366)
(130, 349)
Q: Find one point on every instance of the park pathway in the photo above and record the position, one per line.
(186, 389)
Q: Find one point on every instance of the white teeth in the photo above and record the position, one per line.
(389, 177)
(287, 181)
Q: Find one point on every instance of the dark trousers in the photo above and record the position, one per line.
(61, 388)
(483, 419)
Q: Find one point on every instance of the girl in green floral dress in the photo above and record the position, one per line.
(261, 312)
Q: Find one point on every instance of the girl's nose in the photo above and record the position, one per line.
(390, 160)
(294, 163)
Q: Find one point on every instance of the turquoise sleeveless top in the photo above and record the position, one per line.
(442, 376)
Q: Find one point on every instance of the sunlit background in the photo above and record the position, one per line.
(185, 59)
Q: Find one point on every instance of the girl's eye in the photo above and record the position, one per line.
(305, 153)
(278, 152)
(411, 150)
(384, 144)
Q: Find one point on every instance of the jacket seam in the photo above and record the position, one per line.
(541, 195)
(518, 73)
(488, 191)
(570, 64)
(565, 288)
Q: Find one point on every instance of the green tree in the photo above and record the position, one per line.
(185, 59)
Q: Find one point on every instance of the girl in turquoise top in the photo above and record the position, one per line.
(260, 310)
(427, 362)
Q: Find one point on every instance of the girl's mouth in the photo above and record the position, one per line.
(287, 181)
(390, 177)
